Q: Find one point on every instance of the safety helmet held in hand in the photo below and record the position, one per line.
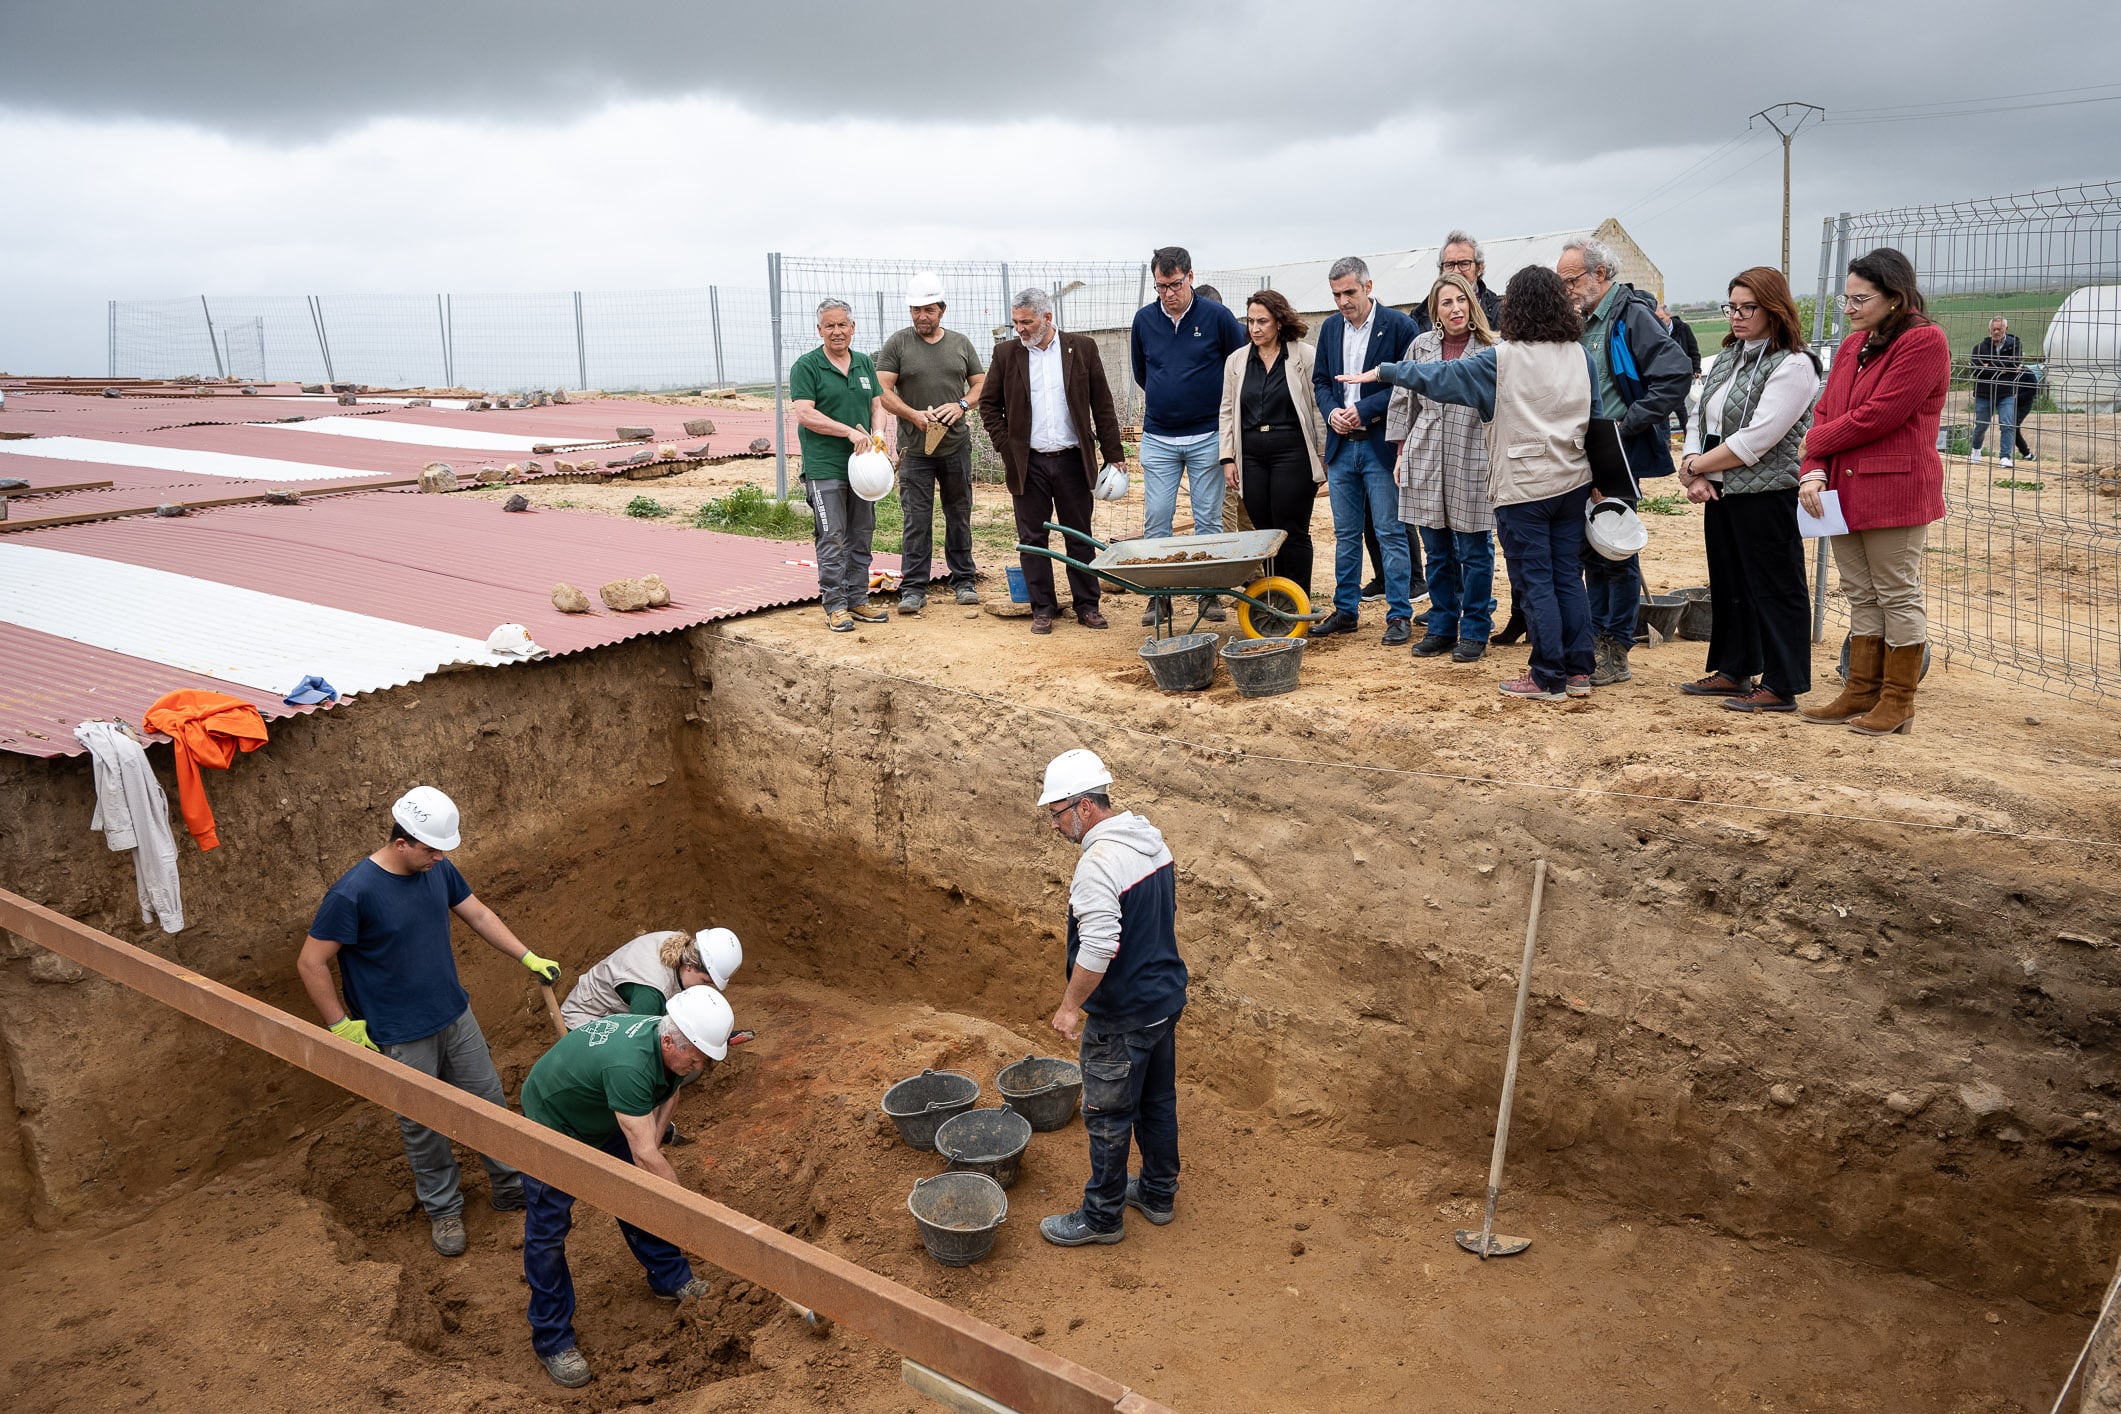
(703, 1015)
(720, 954)
(1111, 484)
(924, 288)
(1074, 773)
(869, 473)
(428, 816)
(1614, 530)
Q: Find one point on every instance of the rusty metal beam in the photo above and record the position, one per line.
(985, 1358)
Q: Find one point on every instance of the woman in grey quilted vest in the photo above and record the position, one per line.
(1740, 465)
(1443, 481)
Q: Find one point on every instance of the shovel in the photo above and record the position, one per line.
(1487, 1242)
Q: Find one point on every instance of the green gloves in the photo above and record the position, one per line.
(548, 971)
(356, 1032)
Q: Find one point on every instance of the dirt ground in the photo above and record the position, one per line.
(1295, 1277)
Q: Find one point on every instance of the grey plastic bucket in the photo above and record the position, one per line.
(957, 1214)
(1182, 664)
(919, 1105)
(1661, 612)
(1697, 624)
(1263, 667)
(1043, 1089)
(991, 1142)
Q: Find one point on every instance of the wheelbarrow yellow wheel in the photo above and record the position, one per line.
(1283, 594)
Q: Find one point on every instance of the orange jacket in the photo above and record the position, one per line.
(209, 729)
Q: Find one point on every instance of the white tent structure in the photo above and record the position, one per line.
(2083, 347)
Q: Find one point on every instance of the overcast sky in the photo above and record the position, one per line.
(150, 148)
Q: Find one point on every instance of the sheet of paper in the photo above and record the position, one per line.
(1829, 521)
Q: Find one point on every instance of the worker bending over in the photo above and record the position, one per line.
(1126, 977)
(611, 1083)
(641, 976)
(386, 921)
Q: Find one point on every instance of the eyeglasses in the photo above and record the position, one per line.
(1461, 267)
(1167, 287)
(1572, 281)
(1055, 815)
(1855, 301)
(1741, 311)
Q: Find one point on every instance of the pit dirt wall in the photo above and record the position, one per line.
(573, 778)
(1890, 1044)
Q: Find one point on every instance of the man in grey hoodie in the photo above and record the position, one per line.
(1126, 988)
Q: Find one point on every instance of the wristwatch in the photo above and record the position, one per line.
(964, 405)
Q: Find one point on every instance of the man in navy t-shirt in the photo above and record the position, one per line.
(386, 921)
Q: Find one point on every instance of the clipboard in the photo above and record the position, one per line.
(1610, 471)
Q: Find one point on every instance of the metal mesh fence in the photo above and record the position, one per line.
(2023, 576)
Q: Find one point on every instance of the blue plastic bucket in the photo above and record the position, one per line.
(1019, 592)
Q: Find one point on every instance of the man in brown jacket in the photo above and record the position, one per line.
(1045, 394)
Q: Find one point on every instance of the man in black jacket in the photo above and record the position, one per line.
(1460, 254)
(1682, 334)
(1994, 366)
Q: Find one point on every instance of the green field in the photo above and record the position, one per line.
(1964, 317)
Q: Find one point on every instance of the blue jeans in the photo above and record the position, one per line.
(548, 1215)
(1354, 480)
(2004, 408)
(1543, 542)
(1130, 1097)
(456, 1055)
(1163, 462)
(1461, 583)
(1614, 587)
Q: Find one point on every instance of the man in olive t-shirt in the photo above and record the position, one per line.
(931, 378)
(834, 393)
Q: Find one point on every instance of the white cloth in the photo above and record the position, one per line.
(1788, 394)
(1354, 348)
(597, 992)
(133, 814)
(1052, 426)
(1117, 854)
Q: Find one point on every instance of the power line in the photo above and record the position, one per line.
(1972, 112)
(1672, 181)
(1704, 191)
(1991, 98)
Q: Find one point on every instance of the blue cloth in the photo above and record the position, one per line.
(547, 1216)
(1130, 1098)
(1461, 583)
(1542, 546)
(1615, 589)
(1390, 333)
(1164, 464)
(394, 955)
(1180, 370)
(310, 690)
(1146, 979)
(1356, 479)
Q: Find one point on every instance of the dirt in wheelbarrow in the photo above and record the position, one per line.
(1197, 557)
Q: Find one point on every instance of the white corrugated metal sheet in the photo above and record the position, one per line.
(418, 434)
(263, 641)
(178, 459)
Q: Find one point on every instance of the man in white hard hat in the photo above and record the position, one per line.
(1126, 988)
(611, 1084)
(386, 921)
(931, 376)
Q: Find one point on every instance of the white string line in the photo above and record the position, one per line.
(2063, 1397)
(1501, 781)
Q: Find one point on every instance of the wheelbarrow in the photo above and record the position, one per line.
(1191, 566)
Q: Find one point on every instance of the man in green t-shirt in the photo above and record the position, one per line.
(837, 401)
(611, 1084)
(931, 377)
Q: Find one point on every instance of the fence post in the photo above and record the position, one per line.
(714, 317)
(1007, 293)
(1833, 253)
(1826, 275)
(442, 328)
(581, 348)
(780, 418)
(880, 319)
(114, 339)
(1141, 297)
(316, 317)
(220, 370)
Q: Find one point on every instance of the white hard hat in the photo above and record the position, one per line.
(924, 288)
(1111, 484)
(720, 954)
(512, 639)
(1614, 530)
(870, 475)
(703, 1015)
(428, 816)
(1074, 773)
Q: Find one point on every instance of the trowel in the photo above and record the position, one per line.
(937, 431)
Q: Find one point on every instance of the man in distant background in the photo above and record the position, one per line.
(1994, 366)
(1682, 334)
(931, 377)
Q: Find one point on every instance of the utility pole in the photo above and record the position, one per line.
(1787, 119)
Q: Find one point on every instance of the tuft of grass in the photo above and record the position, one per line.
(2020, 485)
(1662, 506)
(646, 508)
(748, 510)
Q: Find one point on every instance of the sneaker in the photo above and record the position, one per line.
(1717, 684)
(1073, 1230)
(1528, 687)
(869, 613)
(2005, 462)
(912, 603)
(967, 595)
(447, 1234)
(1434, 645)
(1373, 592)
(1578, 685)
(840, 621)
(1397, 631)
(1974, 456)
(1420, 593)
(1760, 699)
(1469, 650)
(690, 1291)
(1336, 622)
(508, 1199)
(567, 1368)
(1159, 1216)
(1211, 609)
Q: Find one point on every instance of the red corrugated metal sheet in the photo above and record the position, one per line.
(71, 415)
(734, 428)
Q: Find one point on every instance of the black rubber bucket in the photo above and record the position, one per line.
(1182, 664)
(1697, 623)
(1264, 667)
(1661, 612)
(991, 1142)
(1045, 1090)
(918, 1106)
(957, 1214)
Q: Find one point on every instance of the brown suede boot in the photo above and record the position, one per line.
(1860, 692)
(1895, 711)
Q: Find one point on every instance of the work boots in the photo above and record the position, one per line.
(1895, 710)
(1859, 693)
(1610, 665)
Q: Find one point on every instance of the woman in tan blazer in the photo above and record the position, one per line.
(1273, 439)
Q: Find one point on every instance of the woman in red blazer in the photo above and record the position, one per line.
(1874, 441)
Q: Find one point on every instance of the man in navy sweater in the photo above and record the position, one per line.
(1126, 988)
(1358, 464)
(1178, 347)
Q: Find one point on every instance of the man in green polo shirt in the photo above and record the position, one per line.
(611, 1083)
(838, 401)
